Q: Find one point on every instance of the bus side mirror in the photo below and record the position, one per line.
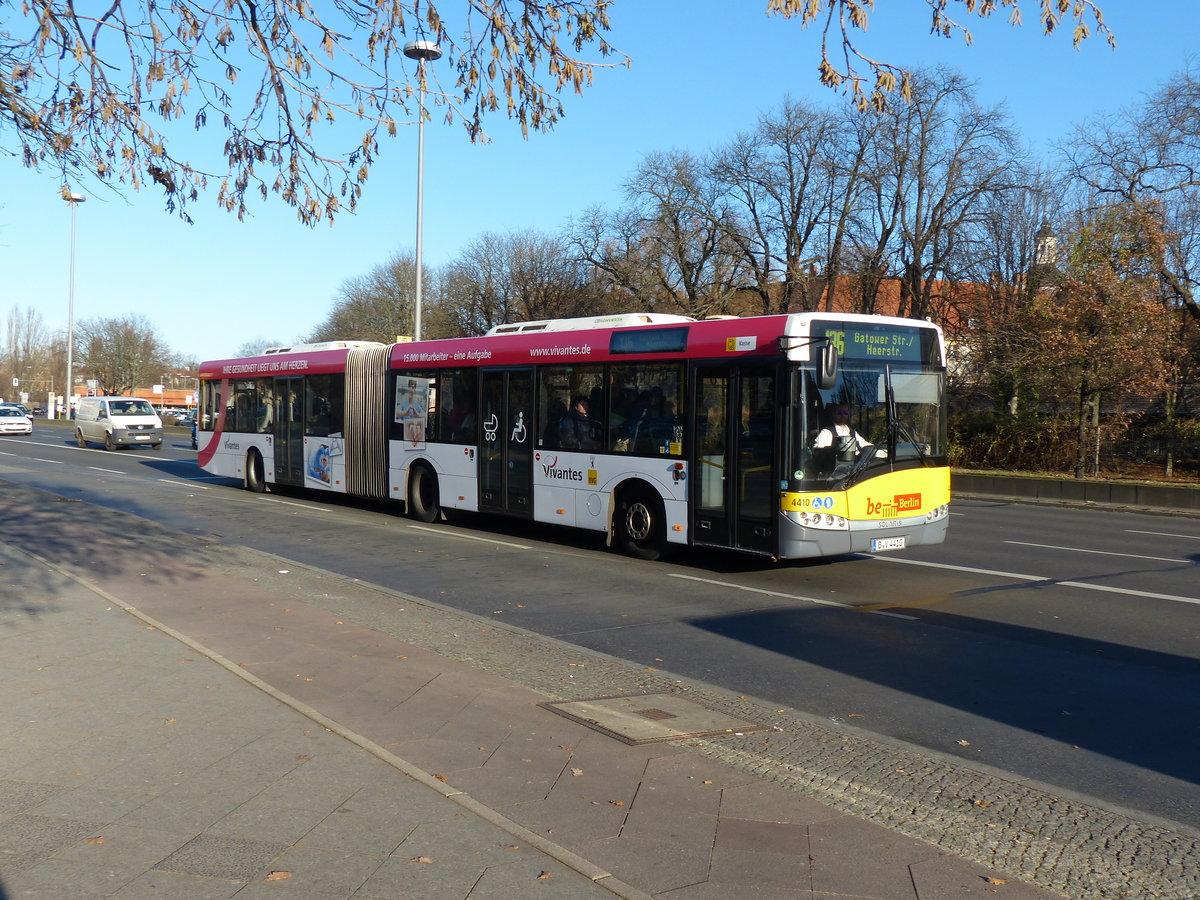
(827, 367)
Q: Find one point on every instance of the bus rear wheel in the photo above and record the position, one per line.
(423, 503)
(641, 524)
(256, 478)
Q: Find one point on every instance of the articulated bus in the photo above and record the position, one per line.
(656, 430)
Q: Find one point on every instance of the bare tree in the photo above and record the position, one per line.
(671, 247)
(1005, 260)
(938, 158)
(377, 306)
(612, 244)
(782, 178)
(516, 277)
(256, 346)
(26, 355)
(121, 353)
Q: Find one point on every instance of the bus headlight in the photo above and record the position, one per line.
(824, 521)
(935, 515)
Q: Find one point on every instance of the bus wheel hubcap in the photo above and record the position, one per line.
(638, 521)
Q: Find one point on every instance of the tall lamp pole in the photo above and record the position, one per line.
(421, 51)
(73, 199)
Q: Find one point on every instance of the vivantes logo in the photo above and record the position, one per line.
(564, 474)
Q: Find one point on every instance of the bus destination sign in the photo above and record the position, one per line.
(879, 342)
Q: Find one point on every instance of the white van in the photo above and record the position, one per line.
(117, 422)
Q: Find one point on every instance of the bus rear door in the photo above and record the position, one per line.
(288, 411)
(733, 462)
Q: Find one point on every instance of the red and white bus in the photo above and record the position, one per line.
(656, 430)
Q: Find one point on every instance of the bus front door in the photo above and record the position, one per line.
(288, 413)
(733, 464)
(506, 470)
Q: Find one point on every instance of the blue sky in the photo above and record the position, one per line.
(702, 71)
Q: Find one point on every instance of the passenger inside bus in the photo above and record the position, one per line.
(577, 430)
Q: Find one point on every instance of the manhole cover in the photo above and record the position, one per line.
(647, 718)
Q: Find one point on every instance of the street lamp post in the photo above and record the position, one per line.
(421, 51)
(73, 199)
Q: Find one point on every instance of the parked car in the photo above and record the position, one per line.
(13, 421)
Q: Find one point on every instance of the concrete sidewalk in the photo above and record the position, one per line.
(179, 722)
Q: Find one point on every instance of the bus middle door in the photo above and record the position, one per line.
(506, 470)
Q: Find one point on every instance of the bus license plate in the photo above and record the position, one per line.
(892, 543)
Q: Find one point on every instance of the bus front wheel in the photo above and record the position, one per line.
(256, 479)
(423, 494)
(641, 524)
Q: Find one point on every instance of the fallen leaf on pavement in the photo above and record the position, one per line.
(278, 876)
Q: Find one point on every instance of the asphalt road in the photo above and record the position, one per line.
(1059, 644)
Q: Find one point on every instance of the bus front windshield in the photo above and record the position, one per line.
(876, 419)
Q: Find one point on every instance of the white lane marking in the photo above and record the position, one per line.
(109, 471)
(190, 484)
(1114, 590)
(1016, 576)
(754, 590)
(290, 503)
(57, 462)
(1101, 552)
(469, 537)
(1188, 537)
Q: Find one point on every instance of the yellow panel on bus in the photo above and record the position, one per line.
(895, 495)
